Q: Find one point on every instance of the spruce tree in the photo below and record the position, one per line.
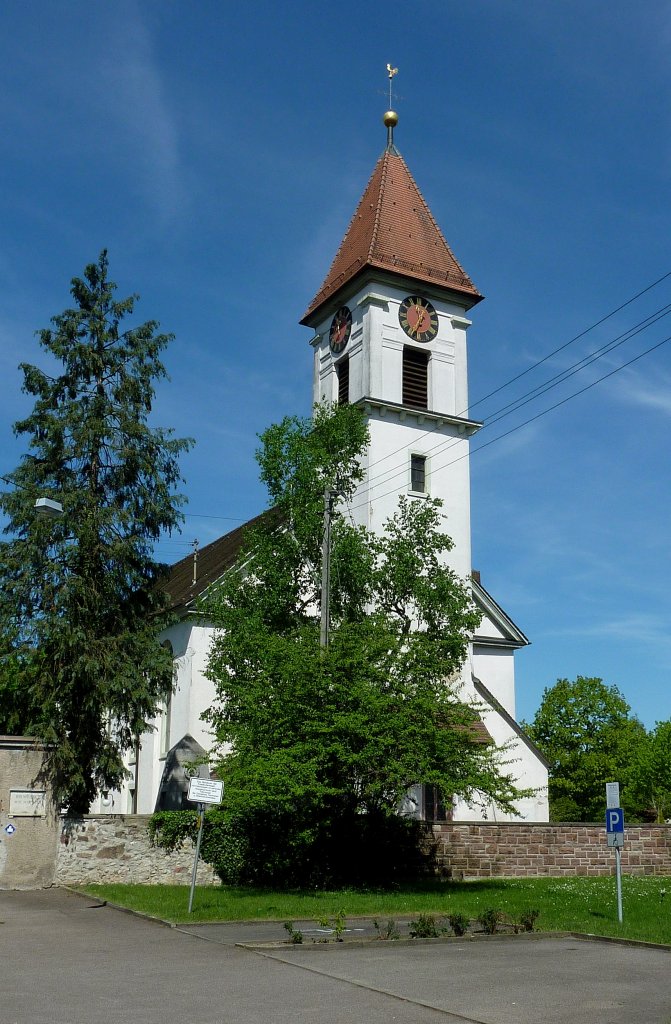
(80, 609)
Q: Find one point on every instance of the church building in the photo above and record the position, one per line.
(389, 331)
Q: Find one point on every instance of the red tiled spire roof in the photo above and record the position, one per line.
(394, 230)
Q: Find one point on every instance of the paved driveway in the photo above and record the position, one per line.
(65, 961)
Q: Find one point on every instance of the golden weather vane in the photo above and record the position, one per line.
(391, 72)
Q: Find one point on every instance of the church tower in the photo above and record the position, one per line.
(390, 323)
(389, 334)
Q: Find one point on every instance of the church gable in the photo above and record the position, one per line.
(496, 628)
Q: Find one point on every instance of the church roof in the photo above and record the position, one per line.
(183, 585)
(394, 230)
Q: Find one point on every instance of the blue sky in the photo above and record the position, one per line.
(218, 150)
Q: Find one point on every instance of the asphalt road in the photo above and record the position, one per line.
(64, 960)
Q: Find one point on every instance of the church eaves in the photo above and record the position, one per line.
(394, 230)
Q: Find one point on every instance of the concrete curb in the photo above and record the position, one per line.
(326, 944)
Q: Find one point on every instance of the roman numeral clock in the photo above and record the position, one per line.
(418, 318)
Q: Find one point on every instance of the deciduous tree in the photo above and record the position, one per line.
(321, 736)
(651, 772)
(585, 729)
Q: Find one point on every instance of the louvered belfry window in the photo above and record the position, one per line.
(415, 378)
(342, 369)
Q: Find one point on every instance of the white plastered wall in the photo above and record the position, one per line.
(192, 694)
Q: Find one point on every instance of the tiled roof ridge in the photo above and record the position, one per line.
(433, 220)
(378, 205)
(212, 562)
(326, 287)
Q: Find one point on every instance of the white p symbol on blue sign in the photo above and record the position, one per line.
(614, 819)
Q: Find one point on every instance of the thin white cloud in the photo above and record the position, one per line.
(132, 88)
(652, 391)
(636, 627)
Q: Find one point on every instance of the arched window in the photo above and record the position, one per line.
(165, 712)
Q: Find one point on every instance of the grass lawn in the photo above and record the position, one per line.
(565, 904)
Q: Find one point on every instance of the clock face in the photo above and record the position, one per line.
(341, 328)
(418, 318)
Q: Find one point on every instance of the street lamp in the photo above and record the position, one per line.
(47, 508)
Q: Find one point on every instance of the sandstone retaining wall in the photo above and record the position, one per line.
(524, 850)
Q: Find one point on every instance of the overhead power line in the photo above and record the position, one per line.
(538, 415)
(538, 362)
(390, 474)
(576, 337)
(516, 404)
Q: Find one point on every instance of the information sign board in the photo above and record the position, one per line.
(27, 803)
(612, 794)
(205, 791)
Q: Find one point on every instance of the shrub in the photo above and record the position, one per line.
(490, 920)
(458, 923)
(424, 927)
(224, 844)
(387, 931)
(337, 924)
(295, 935)
(266, 847)
(528, 919)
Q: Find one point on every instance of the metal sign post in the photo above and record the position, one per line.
(615, 837)
(202, 791)
(201, 817)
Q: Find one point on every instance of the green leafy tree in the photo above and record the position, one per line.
(585, 729)
(314, 737)
(78, 593)
(651, 772)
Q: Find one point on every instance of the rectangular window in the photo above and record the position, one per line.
(342, 370)
(418, 474)
(435, 808)
(415, 378)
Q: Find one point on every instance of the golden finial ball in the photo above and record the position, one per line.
(390, 119)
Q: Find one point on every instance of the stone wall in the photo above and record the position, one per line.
(517, 850)
(116, 848)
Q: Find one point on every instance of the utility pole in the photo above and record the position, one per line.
(329, 495)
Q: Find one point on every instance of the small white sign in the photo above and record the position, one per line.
(612, 794)
(27, 803)
(10, 829)
(206, 791)
(615, 839)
